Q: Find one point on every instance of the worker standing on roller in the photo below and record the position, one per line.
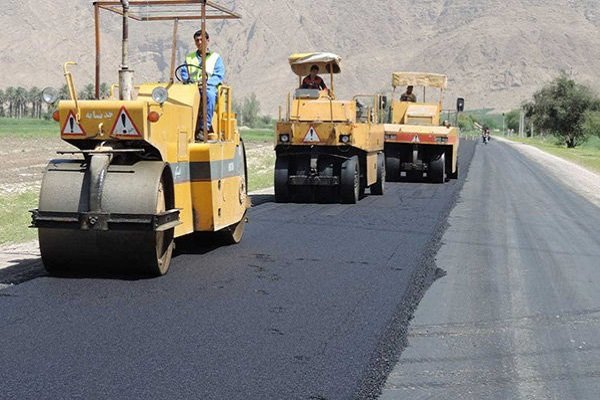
(215, 72)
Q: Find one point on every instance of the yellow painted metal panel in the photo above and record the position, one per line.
(183, 201)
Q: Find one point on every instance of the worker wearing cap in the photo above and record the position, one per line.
(215, 72)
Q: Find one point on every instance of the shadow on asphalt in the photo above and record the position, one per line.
(22, 271)
(258, 199)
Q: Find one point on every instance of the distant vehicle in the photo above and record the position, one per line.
(485, 135)
(328, 149)
(142, 179)
(416, 143)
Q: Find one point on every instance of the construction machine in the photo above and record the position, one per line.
(417, 143)
(328, 149)
(138, 178)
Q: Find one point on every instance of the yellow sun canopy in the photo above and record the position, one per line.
(302, 62)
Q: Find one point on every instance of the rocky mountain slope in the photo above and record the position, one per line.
(495, 52)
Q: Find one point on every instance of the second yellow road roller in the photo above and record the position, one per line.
(327, 149)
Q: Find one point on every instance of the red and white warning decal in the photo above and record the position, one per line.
(311, 136)
(416, 139)
(71, 126)
(124, 125)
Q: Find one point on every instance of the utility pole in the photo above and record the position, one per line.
(503, 124)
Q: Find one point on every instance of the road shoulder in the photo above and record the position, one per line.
(579, 179)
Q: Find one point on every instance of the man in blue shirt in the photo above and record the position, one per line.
(215, 72)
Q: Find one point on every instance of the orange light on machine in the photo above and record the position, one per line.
(153, 116)
(56, 116)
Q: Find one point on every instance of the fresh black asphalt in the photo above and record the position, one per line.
(313, 304)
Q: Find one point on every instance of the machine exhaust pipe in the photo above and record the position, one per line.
(125, 74)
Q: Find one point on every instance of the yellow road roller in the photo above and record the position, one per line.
(417, 143)
(327, 149)
(138, 177)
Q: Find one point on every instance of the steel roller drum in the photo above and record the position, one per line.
(127, 189)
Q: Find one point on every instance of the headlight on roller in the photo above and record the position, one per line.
(284, 138)
(160, 95)
(49, 95)
(345, 139)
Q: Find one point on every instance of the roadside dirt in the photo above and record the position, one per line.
(24, 161)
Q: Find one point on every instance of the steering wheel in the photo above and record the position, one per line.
(188, 67)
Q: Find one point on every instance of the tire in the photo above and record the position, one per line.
(454, 175)
(350, 181)
(378, 187)
(233, 234)
(392, 167)
(437, 169)
(282, 188)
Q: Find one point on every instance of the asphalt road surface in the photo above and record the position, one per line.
(313, 304)
(517, 316)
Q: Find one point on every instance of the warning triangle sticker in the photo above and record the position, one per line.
(416, 139)
(71, 126)
(124, 125)
(312, 136)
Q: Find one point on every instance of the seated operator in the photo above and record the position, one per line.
(215, 72)
(408, 95)
(313, 81)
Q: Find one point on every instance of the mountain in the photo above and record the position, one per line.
(496, 53)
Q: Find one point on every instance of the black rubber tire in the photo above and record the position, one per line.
(379, 187)
(454, 175)
(437, 169)
(233, 234)
(282, 187)
(350, 181)
(392, 167)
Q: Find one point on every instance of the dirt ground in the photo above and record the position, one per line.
(24, 161)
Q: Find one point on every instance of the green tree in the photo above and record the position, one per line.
(63, 93)
(88, 92)
(104, 90)
(34, 97)
(250, 110)
(512, 120)
(2, 101)
(21, 100)
(465, 122)
(10, 100)
(560, 108)
(591, 123)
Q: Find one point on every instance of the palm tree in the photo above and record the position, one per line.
(104, 90)
(10, 99)
(21, 101)
(63, 93)
(2, 100)
(35, 98)
(89, 92)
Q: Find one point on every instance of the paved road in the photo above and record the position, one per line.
(518, 314)
(313, 304)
